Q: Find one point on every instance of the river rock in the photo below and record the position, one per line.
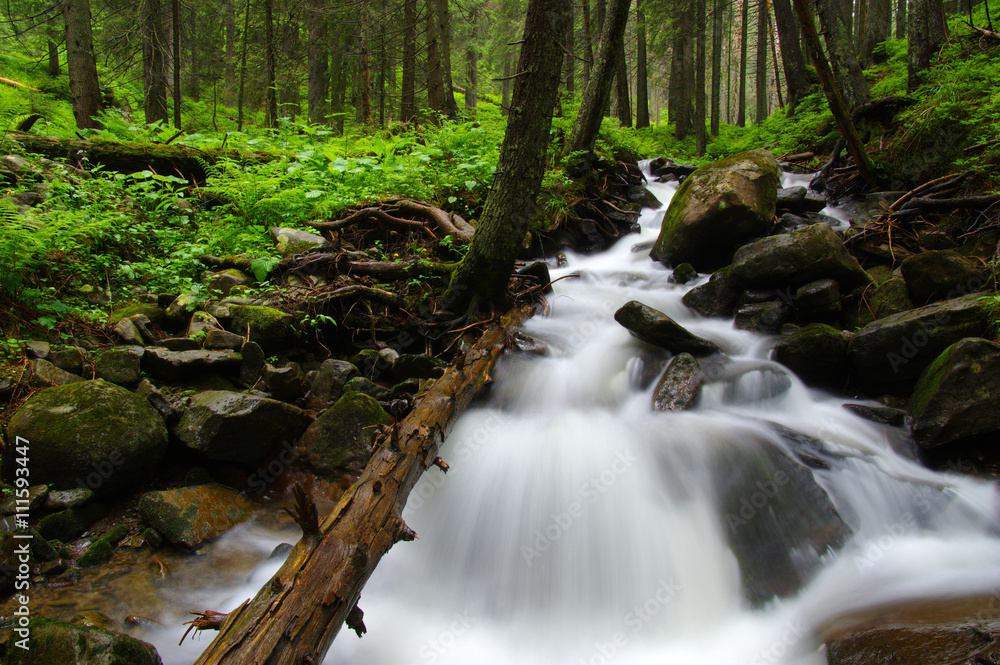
(714, 298)
(181, 365)
(58, 643)
(235, 427)
(958, 395)
(121, 365)
(817, 353)
(72, 359)
(818, 301)
(253, 362)
(360, 384)
(36, 496)
(64, 499)
(291, 241)
(891, 297)
(763, 317)
(680, 384)
(889, 354)
(329, 382)
(271, 328)
(89, 434)
(656, 328)
(683, 273)
(201, 322)
(67, 524)
(956, 643)
(189, 516)
(939, 274)
(224, 281)
(778, 520)
(179, 344)
(152, 312)
(417, 366)
(792, 259)
(287, 383)
(52, 375)
(718, 208)
(341, 438)
(222, 339)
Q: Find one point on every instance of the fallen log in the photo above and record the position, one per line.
(163, 159)
(296, 615)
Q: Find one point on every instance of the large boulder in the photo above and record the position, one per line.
(656, 328)
(938, 274)
(235, 427)
(792, 259)
(271, 328)
(889, 354)
(714, 298)
(341, 438)
(180, 365)
(89, 434)
(925, 642)
(817, 353)
(958, 395)
(58, 643)
(718, 208)
(189, 516)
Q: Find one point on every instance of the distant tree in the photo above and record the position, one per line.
(407, 100)
(318, 62)
(794, 63)
(875, 30)
(641, 75)
(700, 139)
(175, 24)
(741, 105)
(761, 63)
(81, 63)
(623, 103)
(472, 61)
(154, 63)
(717, 20)
(270, 56)
(837, 33)
(51, 34)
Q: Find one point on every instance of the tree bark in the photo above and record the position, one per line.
(918, 52)
(792, 59)
(319, 584)
(243, 68)
(900, 19)
(194, 77)
(53, 46)
(761, 63)
(840, 46)
(81, 64)
(407, 98)
(435, 76)
(443, 20)
(623, 104)
(641, 75)
(154, 63)
(363, 81)
(175, 22)
(229, 94)
(338, 85)
(318, 65)
(876, 31)
(598, 91)
(741, 119)
(569, 71)
(482, 276)
(472, 62)
(700, 140)
(717, 9)
(588, 36)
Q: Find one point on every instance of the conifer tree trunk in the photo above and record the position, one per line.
(598, 91)
(154, 63)
(443, 24)
(919, 47)
(761, 63)
(363, 81)
(243, 68)
(81, 64)
(338, 87)
(53, 45)
(641, 76)
(175, 20)
(792, 59)
(435, 77)
(717, 11)
(271, 64)
(407, 98)
(623, 102)
(700, 140)
(229, 92)
(506, 85)
(588, 37)
(569, 72)
(194, 77)
(318, 65)
(482, 276)
(900, 19)
(741, 119)
(472, 62)
(840, 48)
(876, 30)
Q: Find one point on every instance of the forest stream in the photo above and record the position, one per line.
(579, 526)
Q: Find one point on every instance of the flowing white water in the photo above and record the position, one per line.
(578, 526)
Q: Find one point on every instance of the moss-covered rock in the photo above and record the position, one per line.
(417, 366)
(59, 643)
(291, 241)
(121, 365)
(235, 427)
(341, 438)
(271, 328)
(360, 384)
(66, 525)
(714, 298)
(683, 273)
(48, 373)
(935, 275)
(149, 310)
(101, 549)
(818, 301)
(189, 516)
(890, 297)
(718, 208)
(89, 434)
(656, 328)
(764, 317)
(223, 281)
(817, 353)
(328, 384)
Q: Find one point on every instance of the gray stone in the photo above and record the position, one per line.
(328, 385)
(817, 353)
(341, 438)
(718, 208)
(52, 375)
(714, 298)
(128, 332)
(189, 516)
(222, 339)
(763, 317)
(818, 301)
(234, 427)
(72, 359)
(202, 322)
(37, 494)
(790, 198)
(940, 274)
(368, 387)
(34, 348)
(121, 365)
(224, 281)
(180, 310)
(162, 405)
(680, 385)
(656, 328)
(417, 366)
(291, 241)
(180, 365)
(891, 297)
(253, 362)
(287, 383)
(64, 499)
(179, 344)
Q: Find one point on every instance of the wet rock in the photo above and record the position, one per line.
(538, 272)
(89, 434)
(779, 520)
(417, 366)
(180, 365)
(883, 415)
(67, 524)
(680, 384)
(763, 317)
(717, 209)
(222, 339)
(891, 297)
(329, 382)
(752, 382)
(813, 202)
(291, 241)
(938, 274)
(341, 439)
(201, 322)
(272, 329)
(714, 298)
(287, 383)
(818, 301)
(36, 496)
(792, 259)
(958, 395)
(153, 395)
(817, 353)
(179, 344)
(958, 643)
(224, 281)
(656, 328)
(890, 353)
(790, 199)
(531, 345)
(235, 427)
(253, 362)
(49, 373)
(189, 516)
(121, 365)
(93, 619)
(101, 550)
(58, 643)
(661, 167)
(360, 384)
(63, 499)
(642, 196)
(683, 273)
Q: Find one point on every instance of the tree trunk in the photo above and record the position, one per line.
(472, 62)
(841, 114)
(623, 104)
(407, 98)
(937, 25)
(700, 140)
(761, 63)
(774, 57)
(175, 22)
(443, 20)
(435, 76)
(363, 83)
(840, 46)
(506, 86)
(741, 119)
(194, 78)
(229, 95)
(641, 76)
(598, 90)
(876, 31)
(243, 68)
(588, 36)
(900, 19)
(482, 276)
(320, 582)
(338, 87)
(81, 64)
(792, 60)
(154, 63)
(271, 64)
(918, 50)
(717, 8)
(53, 44)
(318, 65)
(382, 67)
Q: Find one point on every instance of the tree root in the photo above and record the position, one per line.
(388, 215)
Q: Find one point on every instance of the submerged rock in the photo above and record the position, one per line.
(718, 208)
(656, 328)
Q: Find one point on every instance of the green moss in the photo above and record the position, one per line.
(272, 329)
(929, 382)
(99, 552)
(154, 313)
